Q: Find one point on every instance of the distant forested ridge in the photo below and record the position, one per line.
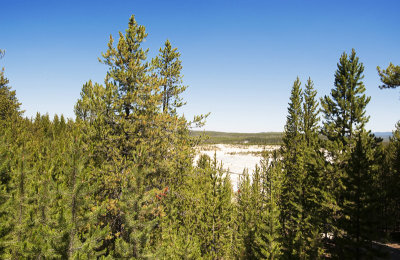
(213, 137)
(264, 138)
(119, 181)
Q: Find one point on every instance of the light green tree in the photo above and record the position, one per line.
(169, 66)
(268, 235)
(390, 76)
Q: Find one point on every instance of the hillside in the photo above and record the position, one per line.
(241, 138)
(264, 138)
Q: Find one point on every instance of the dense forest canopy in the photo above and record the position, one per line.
(119, 180)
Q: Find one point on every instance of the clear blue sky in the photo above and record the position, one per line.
(240, 58)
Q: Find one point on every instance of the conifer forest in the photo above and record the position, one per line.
(119, 181)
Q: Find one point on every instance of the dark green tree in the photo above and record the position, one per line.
(360, 198)
(345, 120)
(303, 196)
(293, 161)
(390, 181)
(344, 110)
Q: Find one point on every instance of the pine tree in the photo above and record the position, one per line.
(5, 177)
(256, 210)
(21, 180)
(390, 76)
(119, 119)
(315, 195)
(9, 105)
(345, 111)
(389, 183)
(10, 133)
(292, 211)
(244, 218)
(360, 203)
(136, 150)
(395, 174)
(310, 115)
(345, 121)
(216, 209)
(169, 68)
(268, 235)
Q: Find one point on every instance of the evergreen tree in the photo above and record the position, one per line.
(310, 115)
(315, 195)
(21, 179)
(169, 68)
(390, 76)
(360, 205)
(268, 235)
(9, 104)
(136, 150)
(10, 130)
(292, 211)
(345, 121)
(119, 120)
(303, 196)
(390, 181)
(256, 210)
(12, 172)
(344, 111)
(395, 175)
(216, 221)
(244, 218)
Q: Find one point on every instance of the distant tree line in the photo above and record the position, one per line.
(119, 181)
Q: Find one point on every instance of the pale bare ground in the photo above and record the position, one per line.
(235, 158)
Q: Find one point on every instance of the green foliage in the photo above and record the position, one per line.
(119, 182)
(169, 67)
(292, 211)
(344, 111)
(387, 183)
(270, 138)
(9, 104)
(257, 212)
(216, 211)
(268, 237)
(304, 199)
(351, 152)
(137, 150)
(244, 218)
(310, 115)
(360, 206)
(390, 76)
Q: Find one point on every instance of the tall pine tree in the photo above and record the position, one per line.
(344, 127)
(293, 161)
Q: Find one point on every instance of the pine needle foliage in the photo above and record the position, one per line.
(390, 76)
(169, 66)
(120, 181)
